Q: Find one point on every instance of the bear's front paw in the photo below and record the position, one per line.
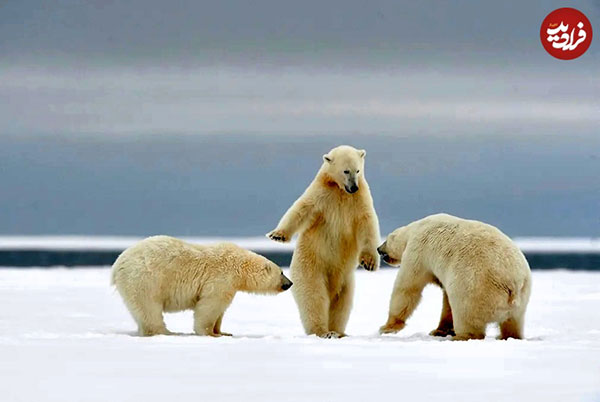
(278, 235)
(369, 261)
(392, 326)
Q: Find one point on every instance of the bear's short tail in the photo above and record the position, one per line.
(516, 289)
(511, 297)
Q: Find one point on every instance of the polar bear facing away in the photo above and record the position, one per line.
(338, 229)
(162, 273)
(484, 276)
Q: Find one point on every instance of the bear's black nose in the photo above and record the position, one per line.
(384, 256)
(380, 251)
(286, 283)
(353, 189)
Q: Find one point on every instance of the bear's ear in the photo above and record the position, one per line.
(362, 153)
(327, 158)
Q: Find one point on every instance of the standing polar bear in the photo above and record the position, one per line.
(162, 273)
(338, 229)
(484, 276)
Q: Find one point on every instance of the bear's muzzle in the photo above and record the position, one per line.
(353, 188)
(286, 284)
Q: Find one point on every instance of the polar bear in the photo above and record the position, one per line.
(162, 273)
(484, 276)
(338, 229)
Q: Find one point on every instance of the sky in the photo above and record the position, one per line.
(105, 67)
(343, 33)
(122, 113)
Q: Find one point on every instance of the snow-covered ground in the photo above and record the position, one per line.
(65, 336)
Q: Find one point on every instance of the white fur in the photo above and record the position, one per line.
(162, 273)
(484, 276)
(337, 231)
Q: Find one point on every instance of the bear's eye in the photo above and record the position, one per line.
(346, 172)
(357, 171)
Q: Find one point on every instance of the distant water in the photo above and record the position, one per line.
(241, 184)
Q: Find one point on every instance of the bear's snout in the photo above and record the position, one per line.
(384, 255)
(286, 284)
(352, 189)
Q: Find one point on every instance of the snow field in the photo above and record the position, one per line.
(66, 336)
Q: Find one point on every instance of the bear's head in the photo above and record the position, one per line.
(264, 276)
(392, 248)
(345, 166)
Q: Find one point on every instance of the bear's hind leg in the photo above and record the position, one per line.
(512, 328)
(468, 328)
(312, 300)
(217, 328)
(340, 307)
(446, 325)
(150, 320)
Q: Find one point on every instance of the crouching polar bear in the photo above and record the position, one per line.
(338, 229)
(162, 273)
(484, 276)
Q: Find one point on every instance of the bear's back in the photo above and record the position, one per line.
(465, 244)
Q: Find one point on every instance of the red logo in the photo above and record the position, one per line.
(566, 33)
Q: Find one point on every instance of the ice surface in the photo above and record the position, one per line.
(122, 242)
(558, 245)
(66, 336)
(527, 244)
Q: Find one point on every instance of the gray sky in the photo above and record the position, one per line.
(342, 32)
(241, 185)
(147, 66)
(460, 109)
